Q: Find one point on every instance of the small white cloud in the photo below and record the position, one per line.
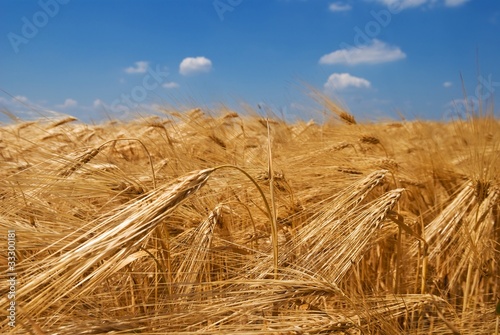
(140, 67)
(339, 7)
(68, 103)
(339, 81)
(447, 84)
(170, 84)
(191, 65)
(376, 52)
(20, 98)
(405, 4)
(454, 3)
(98, 103)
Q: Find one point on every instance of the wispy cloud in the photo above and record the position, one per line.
(405, 4)
(140, 67)
(447, 84)
(170, 84)
(68, 103)
(22, 107)
(339, 7)
(98, 103)
(340, 81)
(20, 98)
(454, 3)
(192, 65)
(376, 52)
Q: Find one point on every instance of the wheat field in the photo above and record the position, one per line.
(203, 222)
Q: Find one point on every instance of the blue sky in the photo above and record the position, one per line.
(92, 58)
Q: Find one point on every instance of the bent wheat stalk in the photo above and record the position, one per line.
(199, 243)
(90, 154)
(86, 265)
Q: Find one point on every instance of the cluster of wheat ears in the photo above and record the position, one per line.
(219, 223)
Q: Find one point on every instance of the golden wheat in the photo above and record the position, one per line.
(236, 224)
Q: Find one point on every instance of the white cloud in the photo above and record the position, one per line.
(20, 98)
(339, 7)
(68, 103)
(25, 109)
(19, 102)
(447, 84)
(98, 103)
(140, 67)
(404, 4)
(339, 81)
(454, 3)
(170, 84)
(191, 65)
(376, 52)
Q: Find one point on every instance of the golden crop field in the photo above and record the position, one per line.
(200, 222)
